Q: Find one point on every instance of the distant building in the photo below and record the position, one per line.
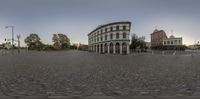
(6, 45)
(110, 38)
(83, 47)
(157, 38)
(173, 41)
(194, 47)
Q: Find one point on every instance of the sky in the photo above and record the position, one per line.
(76, 18)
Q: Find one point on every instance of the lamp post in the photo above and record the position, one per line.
(12, 27)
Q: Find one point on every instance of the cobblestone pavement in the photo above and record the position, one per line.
(80, 74)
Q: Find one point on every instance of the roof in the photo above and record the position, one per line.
(120, 22)
(157, 31)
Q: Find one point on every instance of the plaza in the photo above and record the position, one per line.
(82, 74)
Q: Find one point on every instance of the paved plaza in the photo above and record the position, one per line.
(88, 75)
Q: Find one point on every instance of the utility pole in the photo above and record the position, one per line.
(18, 37)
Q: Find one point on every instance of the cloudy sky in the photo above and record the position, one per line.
(76, 18)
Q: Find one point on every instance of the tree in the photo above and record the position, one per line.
(33, 42)
(134, 42)
(56, 41)
(61, 41)
(141, 43)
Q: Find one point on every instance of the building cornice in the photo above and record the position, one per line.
(113, 23)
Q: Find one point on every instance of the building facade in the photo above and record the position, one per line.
(157, 38)
(173, 41)
(110, 38)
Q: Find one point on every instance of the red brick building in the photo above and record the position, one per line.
(157, 38)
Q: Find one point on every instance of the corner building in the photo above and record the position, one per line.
(110, 38)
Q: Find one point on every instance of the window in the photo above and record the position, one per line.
(117, 36)
(111, 36)
(172, 42)
(164, 42)
(111, 28)
(105, 37)
(105, 29)
(101, 31)
(175, 41)
(97, 39)
(117, 27)
(168, 42)
(124, 27)
(101, 38)
(124, 35)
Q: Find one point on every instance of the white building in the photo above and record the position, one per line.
(173, 41)
(110, 38)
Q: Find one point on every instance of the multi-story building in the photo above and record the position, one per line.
(110, 38)
(157, 38)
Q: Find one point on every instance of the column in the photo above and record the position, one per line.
(103, 48)
(113, 48)
(127, 45)
(96, 49)
(120, 46)
(99, 48)
(108, 50)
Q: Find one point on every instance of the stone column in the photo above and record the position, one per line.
(114, 48)
(93, 48)
(103, 48)
(99, 48)
(120, 46)
(127, 45)
(108, 48)
(96, 48)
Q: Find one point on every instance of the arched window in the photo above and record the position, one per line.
(111, 36)
(124, 35)
(117, 35)
(101, 31)
(105, 37)
(105, 29)
(117, 27)
(124, 27)
(111, 28)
